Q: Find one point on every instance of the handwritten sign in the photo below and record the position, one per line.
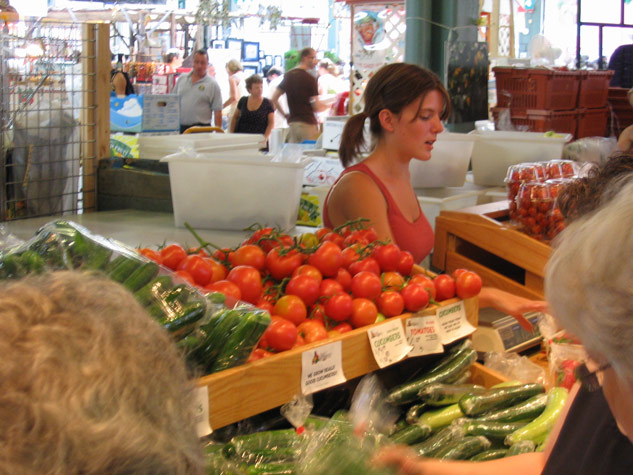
(453, 324)
(388, 342)
(423, 335)
(201, 404)
(322, 368)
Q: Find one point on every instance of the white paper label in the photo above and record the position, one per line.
(452, 322)
(201, 404)
(322, 368)
(423, 335)
(388, 342)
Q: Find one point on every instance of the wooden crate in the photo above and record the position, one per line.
(250, 389)
(479, 239)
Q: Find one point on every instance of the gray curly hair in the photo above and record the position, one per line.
(89, 383)
(589, 279)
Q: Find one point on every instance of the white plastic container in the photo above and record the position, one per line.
(448, 164)
(434, 200)
(213, 191)
(495, 151)
(158, 146)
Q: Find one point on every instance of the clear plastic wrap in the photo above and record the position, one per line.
(591, 149)
(515, 367)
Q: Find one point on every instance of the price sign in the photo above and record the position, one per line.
(453, 323)
(322, 368)
(201, 404)
(423, 335)
(388, 342)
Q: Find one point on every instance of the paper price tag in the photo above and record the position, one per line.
(452, 322)
(423, 335)
(201, 404)
(322, 368)
(388, 342)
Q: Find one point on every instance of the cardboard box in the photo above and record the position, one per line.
(126, 113)
(163, 83)
(161, 112)
(322, 171)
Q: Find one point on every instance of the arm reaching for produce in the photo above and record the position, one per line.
(511, 304)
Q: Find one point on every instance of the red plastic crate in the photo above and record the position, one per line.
(593, 88)
(534, 120)
(536, 88)
(592, 122)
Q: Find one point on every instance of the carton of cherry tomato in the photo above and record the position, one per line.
(527, 172)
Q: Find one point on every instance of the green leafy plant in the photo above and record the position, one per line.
(291, 59)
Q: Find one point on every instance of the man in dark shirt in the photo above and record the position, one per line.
(621, 62)
(302, 93)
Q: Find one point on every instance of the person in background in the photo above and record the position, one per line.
(237, 89)
(596, 307)
(200, 96)
(173, 61)
(329, 84)
(211, 70)
(621, 63)
(301, 90)
(254, 113)
(90, 383)
(405, 105)
(274, 76)
(121, 84)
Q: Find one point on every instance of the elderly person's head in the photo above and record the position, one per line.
(89, 382)
(233, 66)
(255, 85)
(589, 285)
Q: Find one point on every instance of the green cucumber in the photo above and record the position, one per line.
(521, 447)
(415, 411)
(464, 448)
(154, 290)
(464, 378)
(474, 404)
(12, 266)
(408, 392)
(441, 438)
(87, 254)
(399, 425)
(411, 434)
(114, 263)
(441, 417)
(440, 394)
(32, 262)
(490, 454)
(281, 468)
(208, 352)
(492, 429)
(239, 345)
(141, 276)
(182, 322)
(526, 410)
(171, 303)
(540, 426)
(260, 441)
(124, 269)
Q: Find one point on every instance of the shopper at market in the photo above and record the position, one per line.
(173, 61)
(301, 90)
(595, 307)
(274, 76)
(89, 383)
(200, 96)
(254, 113)
(621, 63)
(237, 90)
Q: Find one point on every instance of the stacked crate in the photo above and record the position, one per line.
(540, 100)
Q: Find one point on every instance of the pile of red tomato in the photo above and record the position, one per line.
(317, 284)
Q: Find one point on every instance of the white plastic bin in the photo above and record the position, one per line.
(213, 191)
(159, 146)
(495, 151)
(448, 164)
(434, 200)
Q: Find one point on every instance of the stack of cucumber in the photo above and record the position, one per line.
(444, 417)
(213, 336)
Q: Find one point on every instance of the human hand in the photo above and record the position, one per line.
(400, 457)
(511, 304)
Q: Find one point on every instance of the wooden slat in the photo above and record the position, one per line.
(250, 389)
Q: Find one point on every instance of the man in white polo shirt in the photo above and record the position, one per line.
(200, 96)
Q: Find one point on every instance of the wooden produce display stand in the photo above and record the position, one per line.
(250, 389)
(479, 238)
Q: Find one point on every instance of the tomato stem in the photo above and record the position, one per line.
(203, 244)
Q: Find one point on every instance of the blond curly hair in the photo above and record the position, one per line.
(89, 383)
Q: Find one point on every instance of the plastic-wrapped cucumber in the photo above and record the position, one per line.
(87, 254)
(538, 429)
(411, 434)
(439, 394)
(474, 404)
(154, 290)
(415, 411)
(280, 468)
(443, 437)
(521, 447)
(490, 454)
(526, 410)
(492, 429)
(262, 447)
(441, 417)
(464, 448)
(141, 276)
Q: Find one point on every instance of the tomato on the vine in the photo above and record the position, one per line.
(330, 287)
(249, 281)
(172, 255)
(312, 330)
(258, 354)
(341, 328)
(151, 254)
(198, 268)
(186, 276)
(281, 334)
(390, 303)
(201, 251)
(306, 287)
(367, 285)
(344, 278)
(307, 269)
(281, 266)
(392, 280)
(388, 256)
(218, 271)
(366, 264)
(415, 297)
(248, 255)
(229, 289)
(351, 254)
(405, 265)
(364, 312)
(327, 258)
(339, 306)
(321, 232)
(457, 272)
(291, 308)
(425, 281)
(222, 255)
(444, 287)
(336, 238)
(468, 284)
